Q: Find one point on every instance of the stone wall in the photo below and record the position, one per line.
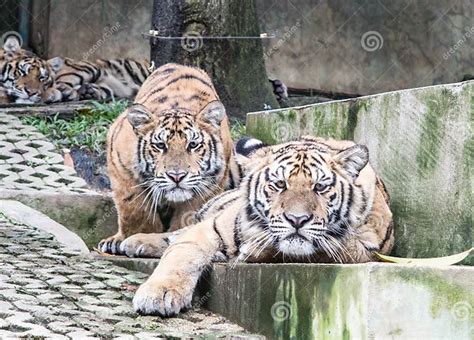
(368, 46)
(90, 29)
(420, 143)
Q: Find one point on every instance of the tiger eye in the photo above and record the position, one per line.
(320, 187)
(280, 184)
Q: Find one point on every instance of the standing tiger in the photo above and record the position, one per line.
(24, 77)
(311, 200)
(100, 80)
(168, 153)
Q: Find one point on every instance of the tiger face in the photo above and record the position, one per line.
(305, 196)
(178, 156)
(28, 80)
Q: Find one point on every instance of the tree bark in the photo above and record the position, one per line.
(236, 66)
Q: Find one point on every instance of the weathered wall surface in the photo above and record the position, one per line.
(420, 143)
(368, 301)
(90, 29)
(406, 44)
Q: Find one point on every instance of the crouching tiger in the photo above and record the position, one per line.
(311, 200)
(169, 153)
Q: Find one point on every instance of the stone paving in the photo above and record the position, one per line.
(48, 292)
(29, 161)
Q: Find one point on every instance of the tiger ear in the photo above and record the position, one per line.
(138, 116)
(255, 160)
(353, 159)
(214, 113)
(56, 63)
(12, 44)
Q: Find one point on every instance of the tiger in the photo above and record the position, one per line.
(113, 79)
(99, 80)
(168, 153)
(24, 77)
(309, 200)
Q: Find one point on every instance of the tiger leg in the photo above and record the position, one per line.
(148, 245)
(68, 93)
(171, 286)
(52, 95)
(95, 91)
(133, 219)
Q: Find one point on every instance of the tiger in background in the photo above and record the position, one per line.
(99, 80)
(115, 78)
(168, 153)
(24, 77)
(310, 200)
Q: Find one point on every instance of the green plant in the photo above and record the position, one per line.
(237, 129)
(84, 130)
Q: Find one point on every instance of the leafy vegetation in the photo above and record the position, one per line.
(83, 131)
(237, 129)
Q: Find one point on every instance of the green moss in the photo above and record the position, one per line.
(444, 294)
(432, 131)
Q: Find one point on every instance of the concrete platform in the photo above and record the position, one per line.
(321, 301)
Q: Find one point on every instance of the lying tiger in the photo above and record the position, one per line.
(24, 77)
(311, 200)
(99, 80)
(169, 153)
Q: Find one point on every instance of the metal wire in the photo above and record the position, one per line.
(194, 35)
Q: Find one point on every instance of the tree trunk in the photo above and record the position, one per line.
(236, 66)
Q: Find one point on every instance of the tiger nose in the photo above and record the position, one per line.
(297, 221)
(176, 176)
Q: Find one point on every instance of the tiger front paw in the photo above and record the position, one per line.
(92, 91)
(111, 245)
(164, 297)
(144, 245)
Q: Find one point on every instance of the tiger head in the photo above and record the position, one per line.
(24, 76)
(180, 153)
(305, 196)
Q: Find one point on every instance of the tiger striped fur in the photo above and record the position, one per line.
(169, 153)
(311, 200)
(24, 77)
(100, 80)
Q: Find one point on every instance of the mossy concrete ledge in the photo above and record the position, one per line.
(420, 143)
(367, 301)
(92, 216)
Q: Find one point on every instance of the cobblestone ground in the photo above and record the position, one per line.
(29, 161)
(48, 292)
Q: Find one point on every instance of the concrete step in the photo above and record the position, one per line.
(325, 301)
(420, 142)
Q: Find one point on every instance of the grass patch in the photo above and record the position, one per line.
(83, 131)
(237, 129)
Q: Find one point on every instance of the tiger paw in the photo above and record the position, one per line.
(111, 245)
(92, 91)
(164, 297)
(144, 245)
